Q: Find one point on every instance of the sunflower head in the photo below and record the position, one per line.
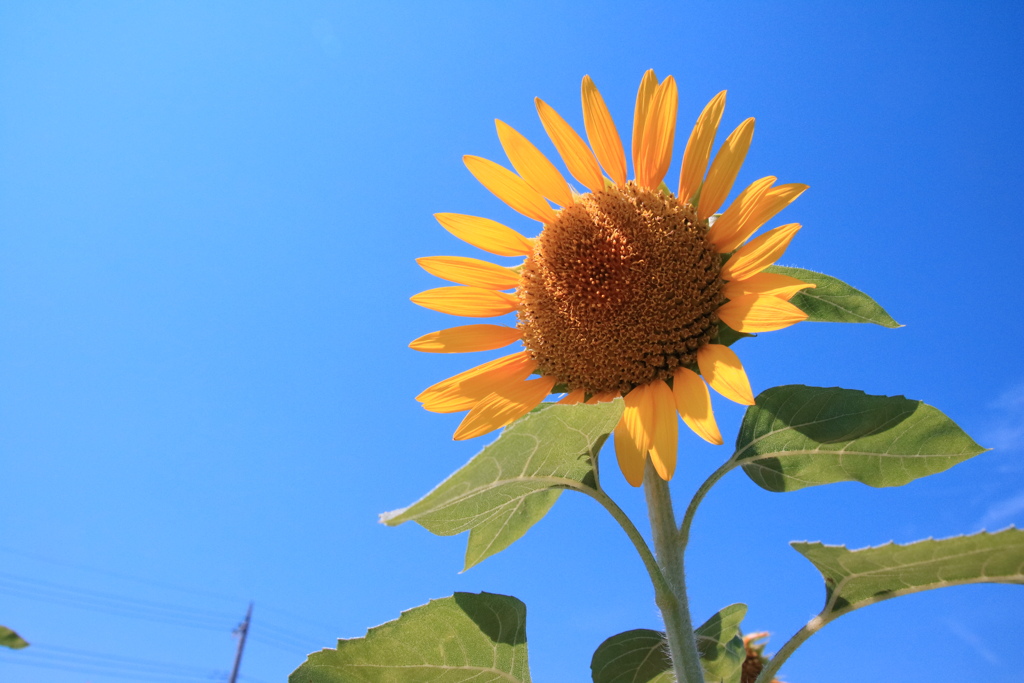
(625, 290)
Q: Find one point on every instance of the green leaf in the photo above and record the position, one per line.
(798, 436)
(720, 645)
(641, 655)
(467, 637)
(638, 656)
(512, 483)
(834, 301)
(855, 578)
(9, 638)
(728, 336)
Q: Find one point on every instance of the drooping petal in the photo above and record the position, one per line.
(666, 429)
(483, 233)
(659, 134)
(510, 188)
(602, 397)
(693, 401)
(631, 460)
(469, 386)
(774, 200)
(574, 152)
(573, 397)
(724, 169)
(648, 84)
(533, 166)
(775, 284)
(759, 253)
(470, 271)
(638, 416)
(724, 232)
(471, 302)
(722, 369)
(504, 405)
(755, 313)
(467, 338)
(698, 147)
(601, 131)
(467, 395)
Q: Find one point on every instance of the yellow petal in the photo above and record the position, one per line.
(775, 284)
(759, 313)
(759, 253)
(503, 406)
(631, 460)
(469, 386)
(601, 132)
(575, 153)
(533, 166)
(693, 401)
(639, 417)
(472, 302)
(698, 147)
(602, 397)
(724, 232)
(470, 271)
(648, 84)
(724, 169)
(666, 429)
(774, 200)
(467, 338)
(510, 188)
(573, 397)
(483, 233)
(722, 369)
(659, 134)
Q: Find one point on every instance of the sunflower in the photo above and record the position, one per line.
(629, 290)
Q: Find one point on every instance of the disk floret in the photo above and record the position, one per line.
(620, 290)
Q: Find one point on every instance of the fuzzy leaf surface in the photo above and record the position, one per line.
(478, 637)
(720, 645)
(834, 301)
(855, 578)
(512, 483)
(798, 436)
(9, 638)
(637, 656)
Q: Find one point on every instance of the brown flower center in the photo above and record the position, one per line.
(620, 290)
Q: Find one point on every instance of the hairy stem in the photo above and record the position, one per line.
(769, 671)
(657, 578)
(673, 603)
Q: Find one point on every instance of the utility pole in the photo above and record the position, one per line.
(243, 631)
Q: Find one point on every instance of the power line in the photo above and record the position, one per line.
(22, 659)
(93, 658)
(133, 603)
(119, 575)
(82, 661)
(131, 607)
(200, 614)
(112, 608)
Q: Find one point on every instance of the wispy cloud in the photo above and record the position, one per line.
(1002, 511)
(974, 640)
(1005, 430)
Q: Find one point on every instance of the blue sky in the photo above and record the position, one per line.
(208, 219)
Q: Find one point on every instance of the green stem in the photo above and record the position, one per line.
(657, 578)
(691, 510)
(673, 604)
(769, 671)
